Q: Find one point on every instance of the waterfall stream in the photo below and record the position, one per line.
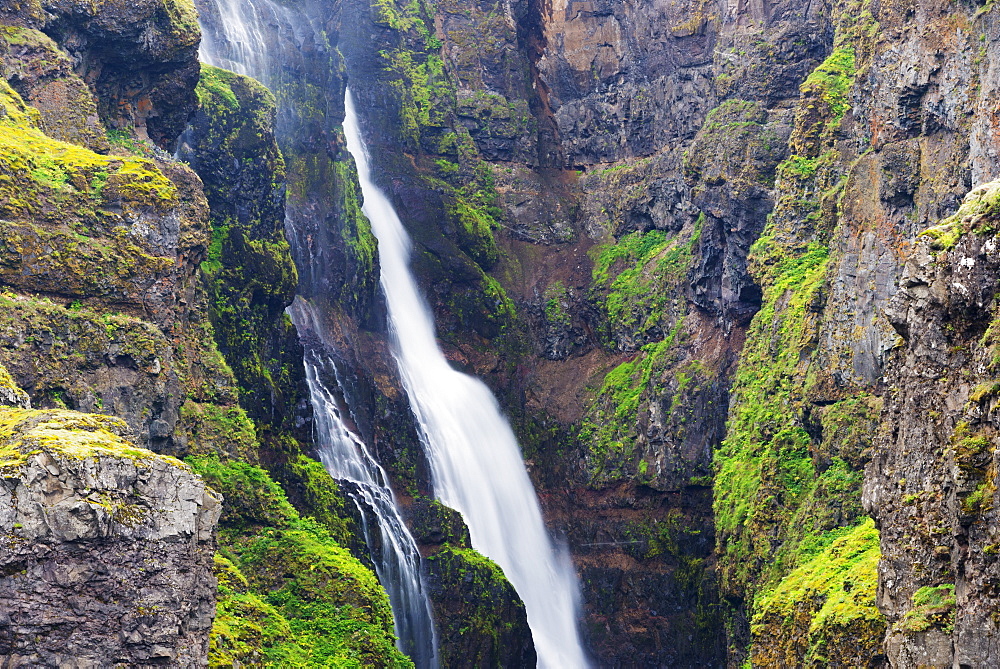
(362, 479)
(240, 44)
(475, 459)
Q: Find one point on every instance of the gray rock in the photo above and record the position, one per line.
(106, 548)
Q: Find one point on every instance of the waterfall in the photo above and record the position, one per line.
(238, 40)
(346, 457)
(475, 459)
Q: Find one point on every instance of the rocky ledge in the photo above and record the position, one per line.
(105, 548)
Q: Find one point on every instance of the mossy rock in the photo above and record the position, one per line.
(41, 177)
(823, 612)
(43, 74)
(979, 213)
(10, 394)
(253, 499)
(289, 593)
(24, 432)
(248, 272)
(480, 618)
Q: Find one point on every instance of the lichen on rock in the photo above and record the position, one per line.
(82, 510)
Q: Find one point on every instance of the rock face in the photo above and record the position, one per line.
(932, 485)
(250, 276)
(140, 58)
(701, 216)
(122, 289)
(480, 620)
(107, 548)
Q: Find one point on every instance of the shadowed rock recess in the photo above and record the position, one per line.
(729, 269)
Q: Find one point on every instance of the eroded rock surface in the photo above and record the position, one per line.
(106, 548)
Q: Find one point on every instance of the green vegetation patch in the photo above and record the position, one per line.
(764, 467)
(979, 213)
(637, 277)
(475, 231)
(478, 603)
(835, 590)
(933, 606)
(556, 299)
(41, 176)
(638, 284)
(10, 392)
(214, 428)
(832, 81)
(289, 594)
(24, 432)
(609, 426)
(215, 86)
(417, 73)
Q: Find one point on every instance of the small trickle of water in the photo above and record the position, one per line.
(347, 458)
(475, 460)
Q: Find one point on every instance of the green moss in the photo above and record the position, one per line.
(647, 268)
(832, 80)
(10, 392)
(979, 213)
(253, 499)
(356, 230)
(608, 428)
(214, 428)
(933, 606)
(289, 594)
(40, 175)
(555, 305)
(775, 509)
(323, 497)
(414, 69)
(478, 603)
(183, 20)
(475, 231)
(24, 432)
(764, 442)
(637, 283)
(831, 595)
(245, 627)
(215, 87)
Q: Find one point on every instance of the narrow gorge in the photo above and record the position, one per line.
(499, 333)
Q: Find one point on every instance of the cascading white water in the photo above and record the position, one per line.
(475, 460)
(240, 45)
(346, 457)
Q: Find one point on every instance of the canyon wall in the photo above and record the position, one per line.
(670, 237)
(729, 269)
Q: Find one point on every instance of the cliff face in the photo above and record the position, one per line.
(128, 280)
(707, 255)
(698, 217)
(932, 484)
(107, 548)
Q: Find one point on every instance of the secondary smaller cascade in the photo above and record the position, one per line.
(475, 460)
(345, 455)
(239, 39)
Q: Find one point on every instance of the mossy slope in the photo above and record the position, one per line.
(289, 593)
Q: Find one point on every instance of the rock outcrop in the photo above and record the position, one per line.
(139, 58)
(481, 622)
(106, 547)
(931, 485)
